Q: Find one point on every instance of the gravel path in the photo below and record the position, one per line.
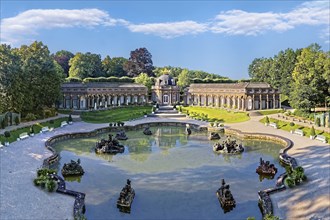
(19, 199)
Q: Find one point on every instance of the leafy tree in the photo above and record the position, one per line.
(183, 79)
(85, 65)
(140, 61)
(41, 79)
(259, 69)
(114, 66)
(309, 86)
(11, 80)
(62, 58)
(144, 79)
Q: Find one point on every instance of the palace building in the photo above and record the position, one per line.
(99, 95)
(241, 96)
(165, 91)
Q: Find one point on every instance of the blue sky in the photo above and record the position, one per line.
(221, 37)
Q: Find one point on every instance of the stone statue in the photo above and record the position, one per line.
(72, 169)
(225, 197)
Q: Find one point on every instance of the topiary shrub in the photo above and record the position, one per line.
(70, 118)
(312, 131)
(291, 124)
(50, 185)
(110, 124)
(31, 130)
(44, 179)
(7, 135)
(211, 124)
(3, 124)
(266, 120)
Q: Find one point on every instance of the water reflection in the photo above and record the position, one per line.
(175, 176)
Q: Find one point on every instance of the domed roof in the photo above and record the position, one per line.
(166, 80)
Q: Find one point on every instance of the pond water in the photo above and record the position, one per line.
(174, 176)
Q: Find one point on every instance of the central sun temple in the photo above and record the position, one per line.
(244, 96)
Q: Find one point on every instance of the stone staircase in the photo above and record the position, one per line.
(167, 112)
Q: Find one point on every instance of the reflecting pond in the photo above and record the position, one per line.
(174, 176)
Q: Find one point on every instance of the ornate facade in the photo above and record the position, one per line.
(100, 95)
(165, 91)
(240, 96)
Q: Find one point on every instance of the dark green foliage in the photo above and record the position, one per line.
(271, 217)
(114, 66)
(31, 130)
(44, 179)
(73, 79)
(30, 117)
(266, 120)
(110, 124)
(17, 120)
(51, 121)
(109, 79)
(291, 124)
(3, 124)
(7, 134)
(312, 131)
(86, 65)
(289, 182)
(70, 118)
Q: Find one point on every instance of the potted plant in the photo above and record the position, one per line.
(312, 133)
(70, 119)
(7, 135)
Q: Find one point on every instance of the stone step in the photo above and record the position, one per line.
(166, 111)
(167, 115)
(166, 107)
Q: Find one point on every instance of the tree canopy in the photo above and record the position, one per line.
(114, 66)
(62, 58)
(140, 61)
(85, 65)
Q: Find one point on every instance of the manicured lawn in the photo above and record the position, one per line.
(14, 134)
(286, 126)
(272, 111)
(214, 114)
(116, 114)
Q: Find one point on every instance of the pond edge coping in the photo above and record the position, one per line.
(265, 203)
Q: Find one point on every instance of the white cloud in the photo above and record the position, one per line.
(237, 22)
(233, 22)
(169, 29)
(28, 23)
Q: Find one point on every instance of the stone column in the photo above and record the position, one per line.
(260, 104)
(78, 100)
(71, 102)
(64, 102)
(253, 102)
(267, 104)
(274, 101)
(238, 103)
(279, 101)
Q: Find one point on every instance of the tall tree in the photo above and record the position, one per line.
(62, 58)
(144, 79)
(259, 69)
(42, 79)
(140, 61)
(310, 87)
(85, 65)
(183, 79)
(114, 66)
(11, 80)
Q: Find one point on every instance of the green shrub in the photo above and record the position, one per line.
(271, 217)
(211, 124)
(251, 218)
(51, 122)
(31, 130)
(50, 185)
(312, 133)
(110, 124)
(30, 117)
(291, 124)
(289, 182)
